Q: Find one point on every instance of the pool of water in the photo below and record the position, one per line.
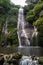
(25, 50)
(31, 50)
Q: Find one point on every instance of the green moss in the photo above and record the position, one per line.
(41, 60)
(17, 56)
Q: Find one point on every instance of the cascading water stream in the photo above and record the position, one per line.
(35, 32)
(28, 61)
(21, 29)
(4, 30)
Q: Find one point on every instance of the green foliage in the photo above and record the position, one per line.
(38, 22)
(41, 60)
(17, 56)
(41, 14)
(12, 22)
(30, 12)
(35, 17)
(12, 37)
(28, 8)
(2, 21)
(40, 1)
(30, 18)
(40, 40)
(39, 25)
(32, 1)
(34, 41)
(34, 13)
(38, 8)
(10, 11)
(14, 11)
(5, 9)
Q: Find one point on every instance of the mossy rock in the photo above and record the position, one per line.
(1, 56)
(41, 60)
(1, 59)
(17, 56)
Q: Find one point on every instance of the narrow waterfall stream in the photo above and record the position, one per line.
(4, 30)
(22, 36)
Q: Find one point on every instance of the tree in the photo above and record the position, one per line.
(10, 11)
(39, 25)
(35, 17)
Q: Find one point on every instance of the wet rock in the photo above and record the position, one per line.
(25, 60)
(5, 63)
(1, 59)
(17, 56)
(34, 58)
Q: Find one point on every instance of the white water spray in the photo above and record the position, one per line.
(21, 28)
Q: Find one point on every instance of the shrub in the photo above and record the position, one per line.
(38, 22)
(38, 8)
(39, 25)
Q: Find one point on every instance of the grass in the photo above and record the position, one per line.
(41, 60)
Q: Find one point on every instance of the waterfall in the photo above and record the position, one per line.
(21, 29)
(4, 30)
(28, 61)
(35, 32)
(34, 35)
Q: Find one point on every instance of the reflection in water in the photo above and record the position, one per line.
(30, 51)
